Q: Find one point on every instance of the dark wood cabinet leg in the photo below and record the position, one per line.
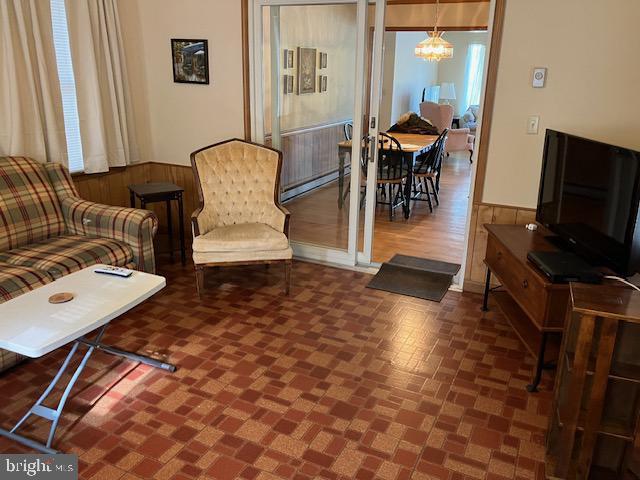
(533, 387)
(170, 229)
(183, 254)
(132, 199)
(487, 286)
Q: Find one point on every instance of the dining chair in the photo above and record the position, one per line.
(348, 131)
(393, 171)
(427, 170)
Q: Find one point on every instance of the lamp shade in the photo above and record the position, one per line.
(447, 91)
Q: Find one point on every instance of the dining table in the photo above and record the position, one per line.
(412, 145)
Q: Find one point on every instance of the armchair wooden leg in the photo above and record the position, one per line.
(287, 277)
(199, 280)
(470, 156)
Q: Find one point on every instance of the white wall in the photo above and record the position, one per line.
(591, 50)
(454, 69)
(388, 74)
(410, 75)
(174, 119)
(327, 28)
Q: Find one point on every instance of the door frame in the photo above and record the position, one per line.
(495, 29)
(253, 34)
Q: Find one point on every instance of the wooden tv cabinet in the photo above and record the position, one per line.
(535, 307)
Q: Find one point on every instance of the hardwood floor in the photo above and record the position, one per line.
(316, 219)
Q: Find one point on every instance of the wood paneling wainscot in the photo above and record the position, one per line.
(309, 154)
(111, 189)
(481, 214)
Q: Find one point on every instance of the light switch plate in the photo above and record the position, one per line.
(532, 125)
(539, 77)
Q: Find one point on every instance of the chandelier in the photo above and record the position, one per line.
(434, 47)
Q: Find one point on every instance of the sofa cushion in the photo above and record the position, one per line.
(16, 280)
(69, 253)
(29, 208)
(241, 237)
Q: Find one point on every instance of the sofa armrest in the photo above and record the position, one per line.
(132, 226)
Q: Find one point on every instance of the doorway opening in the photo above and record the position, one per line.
(447, 95)
(330, 221)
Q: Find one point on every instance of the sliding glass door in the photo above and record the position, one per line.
(314, 70)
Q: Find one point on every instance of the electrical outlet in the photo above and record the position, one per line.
(532, 125)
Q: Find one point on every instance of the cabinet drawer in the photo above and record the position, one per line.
(523, 285)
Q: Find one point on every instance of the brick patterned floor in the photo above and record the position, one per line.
(337, 381)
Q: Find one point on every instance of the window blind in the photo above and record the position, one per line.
(67, 85)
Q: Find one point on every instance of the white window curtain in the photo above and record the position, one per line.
(473, 75)
(104, 104)
(31, 120)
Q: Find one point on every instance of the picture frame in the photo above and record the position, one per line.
(322, 83)
(287, 84)
(190, 60)
(322, 59)
(287, 60)
(307, 61)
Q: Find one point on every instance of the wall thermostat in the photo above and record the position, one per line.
(539, 77)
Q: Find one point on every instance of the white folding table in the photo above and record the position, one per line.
(31, 326)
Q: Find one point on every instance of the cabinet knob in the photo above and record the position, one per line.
(525, 284)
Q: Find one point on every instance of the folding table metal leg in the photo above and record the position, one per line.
(136, 357)
(51, 414)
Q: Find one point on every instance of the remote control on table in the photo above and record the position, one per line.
(118, 271)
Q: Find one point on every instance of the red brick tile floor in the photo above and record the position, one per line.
(336, 381)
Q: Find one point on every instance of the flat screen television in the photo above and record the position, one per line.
(589, 196)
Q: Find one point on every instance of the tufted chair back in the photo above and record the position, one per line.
(439, 115)
(238, 183)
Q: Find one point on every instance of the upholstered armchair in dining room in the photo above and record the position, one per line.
(441, 116)
(240, 220)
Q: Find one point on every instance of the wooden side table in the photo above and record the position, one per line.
(533, 305)
(594, 420)
(162, 192)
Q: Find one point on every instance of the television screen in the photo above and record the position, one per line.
(589, 197)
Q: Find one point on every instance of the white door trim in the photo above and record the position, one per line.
(256, 88)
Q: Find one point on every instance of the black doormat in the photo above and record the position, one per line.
(415, 277)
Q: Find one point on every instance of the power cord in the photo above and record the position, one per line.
(622, 280)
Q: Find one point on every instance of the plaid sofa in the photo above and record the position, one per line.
(47, 231)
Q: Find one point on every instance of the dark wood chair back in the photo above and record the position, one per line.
(430, 161)
(348, 131)
(392, 164)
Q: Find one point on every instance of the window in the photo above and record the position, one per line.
(475, 65)
(67, 85)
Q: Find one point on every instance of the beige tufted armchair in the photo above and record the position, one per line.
(240, 220)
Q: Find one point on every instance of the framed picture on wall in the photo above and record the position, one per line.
(190, 59)
(306, 70)
(287, 60)
(287, 83)
(322, 83)
(323, 59)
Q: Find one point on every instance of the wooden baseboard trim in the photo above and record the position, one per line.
(472, 286)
